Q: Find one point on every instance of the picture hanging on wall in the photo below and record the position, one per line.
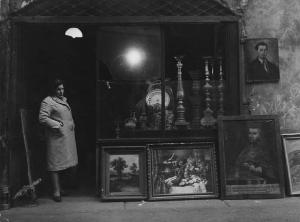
(261, 60)
(291, 145)
(250, 157)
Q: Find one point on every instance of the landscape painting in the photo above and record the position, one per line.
(123, 173)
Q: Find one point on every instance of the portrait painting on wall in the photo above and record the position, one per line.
(291, 145)
(123, 173)
(182, 171)
(250, 157)
(261, 60)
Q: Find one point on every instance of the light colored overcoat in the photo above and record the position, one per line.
(60, 138)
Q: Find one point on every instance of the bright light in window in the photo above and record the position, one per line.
(134, 57)
(74, 33)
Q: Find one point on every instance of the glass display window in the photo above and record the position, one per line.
(137, 63)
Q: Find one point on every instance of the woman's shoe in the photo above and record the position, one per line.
(56, 198)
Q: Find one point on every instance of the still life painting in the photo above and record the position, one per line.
(180, 171)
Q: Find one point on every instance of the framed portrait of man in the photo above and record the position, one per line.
(261, 60)
(250, 157)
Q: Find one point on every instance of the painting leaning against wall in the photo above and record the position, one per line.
(182, 171)
(250, 157)
(291, 144)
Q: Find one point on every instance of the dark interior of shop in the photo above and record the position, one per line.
(49, 54)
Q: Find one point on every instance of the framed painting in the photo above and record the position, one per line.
(123, 173)
(250, 157)
(261, 60)
(291, 145)
(182, 171)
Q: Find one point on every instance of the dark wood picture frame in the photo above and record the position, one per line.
(123, 173)
(182, 171)
(291, 146)
(262, 60)
(250, 155)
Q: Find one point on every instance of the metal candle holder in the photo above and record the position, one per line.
(208, 119)
(180, 110)
(221, 87)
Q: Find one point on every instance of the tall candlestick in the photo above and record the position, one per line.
(221, 88)
(208, 119)
(180, 110)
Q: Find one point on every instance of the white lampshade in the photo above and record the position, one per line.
(74, 32)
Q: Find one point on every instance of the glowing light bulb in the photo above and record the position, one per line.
(134, 57)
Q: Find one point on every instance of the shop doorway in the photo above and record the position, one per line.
(45, 54)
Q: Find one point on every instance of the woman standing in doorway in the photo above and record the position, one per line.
(55, 114)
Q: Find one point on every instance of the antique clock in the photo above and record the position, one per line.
(154, 102)
(154, 95)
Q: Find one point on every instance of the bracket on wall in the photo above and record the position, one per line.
(241, 10)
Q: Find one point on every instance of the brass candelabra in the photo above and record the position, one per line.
(221, 87)
(180, 109)
(208, 119)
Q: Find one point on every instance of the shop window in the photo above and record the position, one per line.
(191, 63)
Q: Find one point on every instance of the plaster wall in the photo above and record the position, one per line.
(7, 6)
(18, 4)
(3, 9)
(278, 19)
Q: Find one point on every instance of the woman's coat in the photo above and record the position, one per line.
(60, 140)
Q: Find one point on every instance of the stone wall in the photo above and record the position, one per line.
(4, 8)
(17, 4)
(278, 19)
(7, 6)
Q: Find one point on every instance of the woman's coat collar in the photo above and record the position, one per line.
(61, 101)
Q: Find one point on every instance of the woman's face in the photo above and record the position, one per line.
(59, 92)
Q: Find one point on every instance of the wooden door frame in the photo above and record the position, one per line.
(15, 63)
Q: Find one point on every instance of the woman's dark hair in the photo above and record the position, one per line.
(55, 84)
